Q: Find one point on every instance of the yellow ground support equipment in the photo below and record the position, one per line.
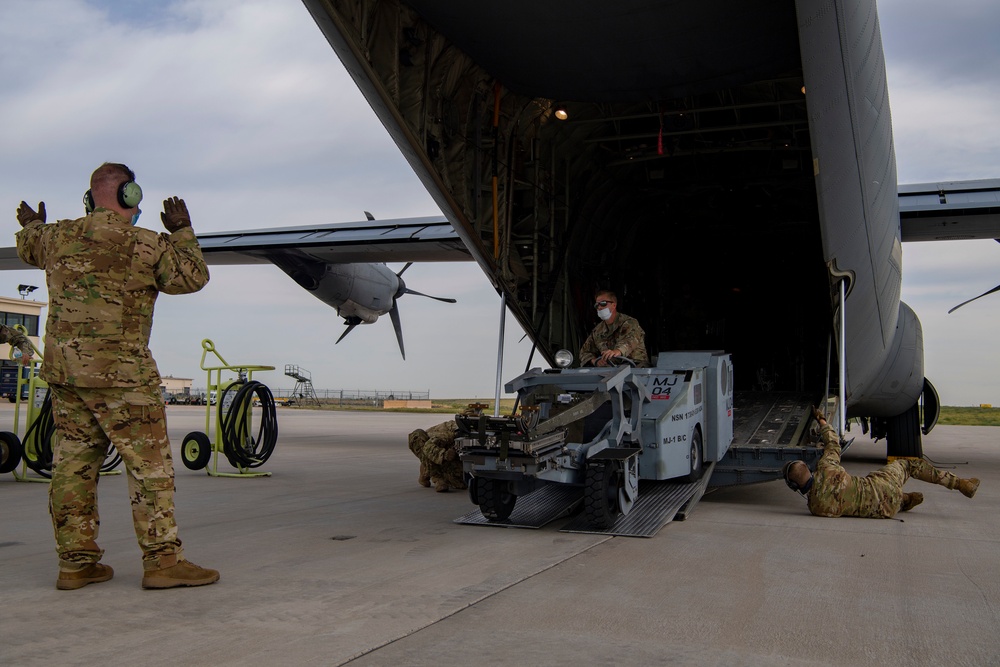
(34, 450)
(234, 428)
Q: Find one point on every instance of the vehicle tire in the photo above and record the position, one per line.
(196, 450)
(697, 457)
(471, 482)
(10, 451)
(495, 501)
(600, 499)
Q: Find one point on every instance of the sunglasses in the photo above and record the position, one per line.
(602, 304)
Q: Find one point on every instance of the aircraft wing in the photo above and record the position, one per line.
(426, 239)
(950, 211)
(927, 212)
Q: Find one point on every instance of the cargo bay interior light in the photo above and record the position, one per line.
(559, 111)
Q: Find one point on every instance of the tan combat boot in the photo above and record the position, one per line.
(423, 479)
(440, 485)
(184, 573)
(968, 487)
(911, 500)
(94, 573)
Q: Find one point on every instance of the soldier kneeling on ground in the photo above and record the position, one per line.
(439, 463)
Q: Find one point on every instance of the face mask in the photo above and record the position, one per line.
(604, 313)
(135, 218)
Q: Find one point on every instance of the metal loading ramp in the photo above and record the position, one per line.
(534, 509)
(658, 504)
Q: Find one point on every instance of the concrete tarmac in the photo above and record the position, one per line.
(341, 558)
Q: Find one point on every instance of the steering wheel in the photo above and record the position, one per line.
(622, 361)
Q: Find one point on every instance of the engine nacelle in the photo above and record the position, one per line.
(897, 385)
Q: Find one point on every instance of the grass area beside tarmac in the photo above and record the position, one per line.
(440, 405)
(950, 415)
(969, 416)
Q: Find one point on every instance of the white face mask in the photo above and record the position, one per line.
(604, 313)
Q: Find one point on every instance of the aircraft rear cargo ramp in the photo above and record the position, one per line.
(769, 430)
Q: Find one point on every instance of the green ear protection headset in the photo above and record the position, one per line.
(129, 193)
(794, 486)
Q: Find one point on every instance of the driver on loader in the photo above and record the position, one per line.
(616, 335)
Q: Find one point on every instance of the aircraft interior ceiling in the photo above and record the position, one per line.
(698, 211)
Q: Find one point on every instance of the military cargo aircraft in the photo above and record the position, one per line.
(726, 167)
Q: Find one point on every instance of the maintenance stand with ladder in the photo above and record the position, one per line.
(303, 390)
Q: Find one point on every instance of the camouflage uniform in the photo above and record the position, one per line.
(103, 277)
(835, 492)
(624, 334)
(439, 463)
(15, 338)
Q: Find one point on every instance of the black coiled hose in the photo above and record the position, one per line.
(38, 442)
(38, 439)
(238, 444)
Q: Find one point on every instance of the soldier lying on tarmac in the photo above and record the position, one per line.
(832, 491)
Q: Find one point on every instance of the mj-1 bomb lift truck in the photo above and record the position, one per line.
(601, 429)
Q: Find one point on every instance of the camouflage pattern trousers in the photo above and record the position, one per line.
(87, 422)
(891, 478)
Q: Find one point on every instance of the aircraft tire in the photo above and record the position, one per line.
(10, 451)
(196, 450)
(495, 501)
(903, 434)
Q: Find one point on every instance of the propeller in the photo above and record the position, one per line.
(394, 311)
(349, 329)
(995, 289)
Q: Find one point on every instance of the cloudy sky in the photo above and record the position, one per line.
(241, 108)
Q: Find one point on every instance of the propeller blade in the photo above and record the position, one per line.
(349, 329)
(394, 315)
(436, 298)
(408, 265)
(995, 289)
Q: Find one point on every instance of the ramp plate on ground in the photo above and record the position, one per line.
(656, 506)
(533, 510)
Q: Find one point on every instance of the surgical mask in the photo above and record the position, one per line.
(604, 313)
(135, 218)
